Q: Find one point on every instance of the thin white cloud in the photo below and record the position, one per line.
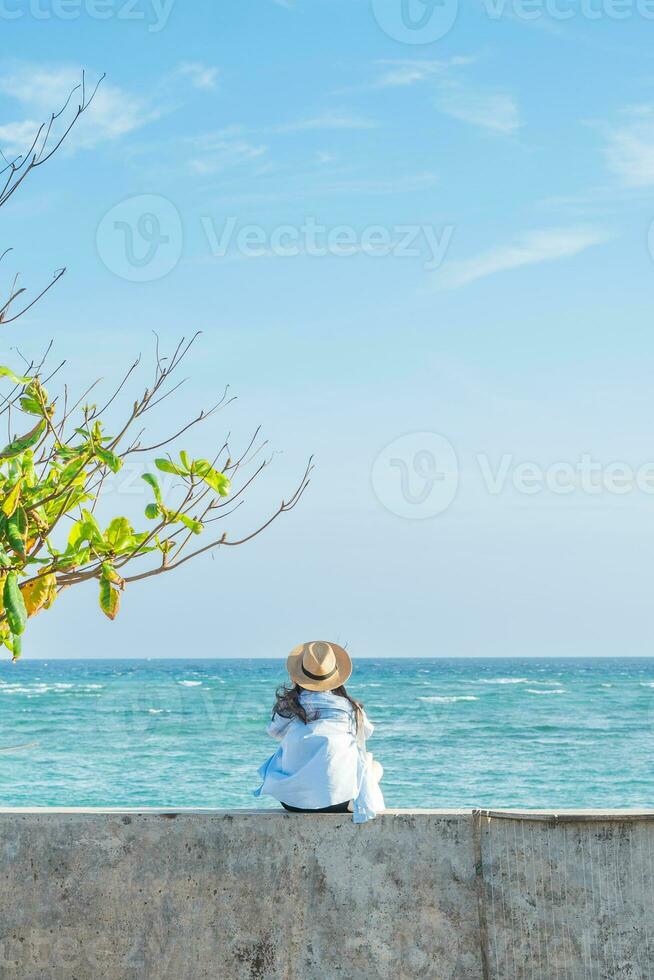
(40, 90)
(303, 186)
(198, 75)
(455, 95)
(325, 121)
(544, 245)
(211, 154)
(17, 137)
(629, 147)
(497, 111)
(400, 73)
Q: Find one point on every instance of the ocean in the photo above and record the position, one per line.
(495, 733)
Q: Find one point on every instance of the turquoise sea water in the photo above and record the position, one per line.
(506, 732)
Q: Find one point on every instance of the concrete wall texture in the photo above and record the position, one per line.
(265, 895)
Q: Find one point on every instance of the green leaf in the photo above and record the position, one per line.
(4, 559)
(109, 599)
(20, 444)
(152, 511)
(166, 466)
(186, 462)
(192, 525)
(94, 526)
(74, 560)
(69, 452)
(31, 405)
(16, 646)
(108, 458)
(28, 467)
(216, 480)
(110, 574)
(85, 530)
(76, 534)
(6, 372)
(16, 531)
(119, 534)
(138, 540)
(14, 605)
(73, 474)
(151, 479)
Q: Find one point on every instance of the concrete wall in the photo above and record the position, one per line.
(121, 895)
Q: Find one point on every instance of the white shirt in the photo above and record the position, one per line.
(321, 763)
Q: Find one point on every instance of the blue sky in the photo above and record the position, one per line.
(423, 260)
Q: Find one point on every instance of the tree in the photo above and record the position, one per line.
(52, 473)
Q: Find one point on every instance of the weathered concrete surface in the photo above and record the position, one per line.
(127, 896)
(569, 896)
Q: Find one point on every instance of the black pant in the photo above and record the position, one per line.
(336, 808)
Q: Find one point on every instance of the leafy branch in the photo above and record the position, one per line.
(60, 453)
(51, 477)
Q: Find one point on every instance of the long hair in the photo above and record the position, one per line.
(288, 705)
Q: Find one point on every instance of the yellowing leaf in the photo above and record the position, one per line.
(17, 379)
(109, 599)
(111, 575)
(39, 594)
(10, 503)
(21, 443)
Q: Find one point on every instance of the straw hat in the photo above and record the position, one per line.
(319, 666)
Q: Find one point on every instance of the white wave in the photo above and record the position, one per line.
(647, 683)
(94, 687)
(190, 683)
(448, 699)
(30, 690)
(156, 711)
(532, 690)
(607, 685)
(507, 680)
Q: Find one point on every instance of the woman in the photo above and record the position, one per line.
(321, 765)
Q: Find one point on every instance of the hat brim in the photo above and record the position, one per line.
(340, 675)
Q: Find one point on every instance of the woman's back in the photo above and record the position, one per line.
(321, 762)
(318, 764)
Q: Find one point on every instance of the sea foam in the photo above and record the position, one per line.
(448, 699)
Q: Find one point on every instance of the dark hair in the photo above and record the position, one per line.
(287, 703)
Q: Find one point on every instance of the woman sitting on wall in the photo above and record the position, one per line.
(322, 765)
